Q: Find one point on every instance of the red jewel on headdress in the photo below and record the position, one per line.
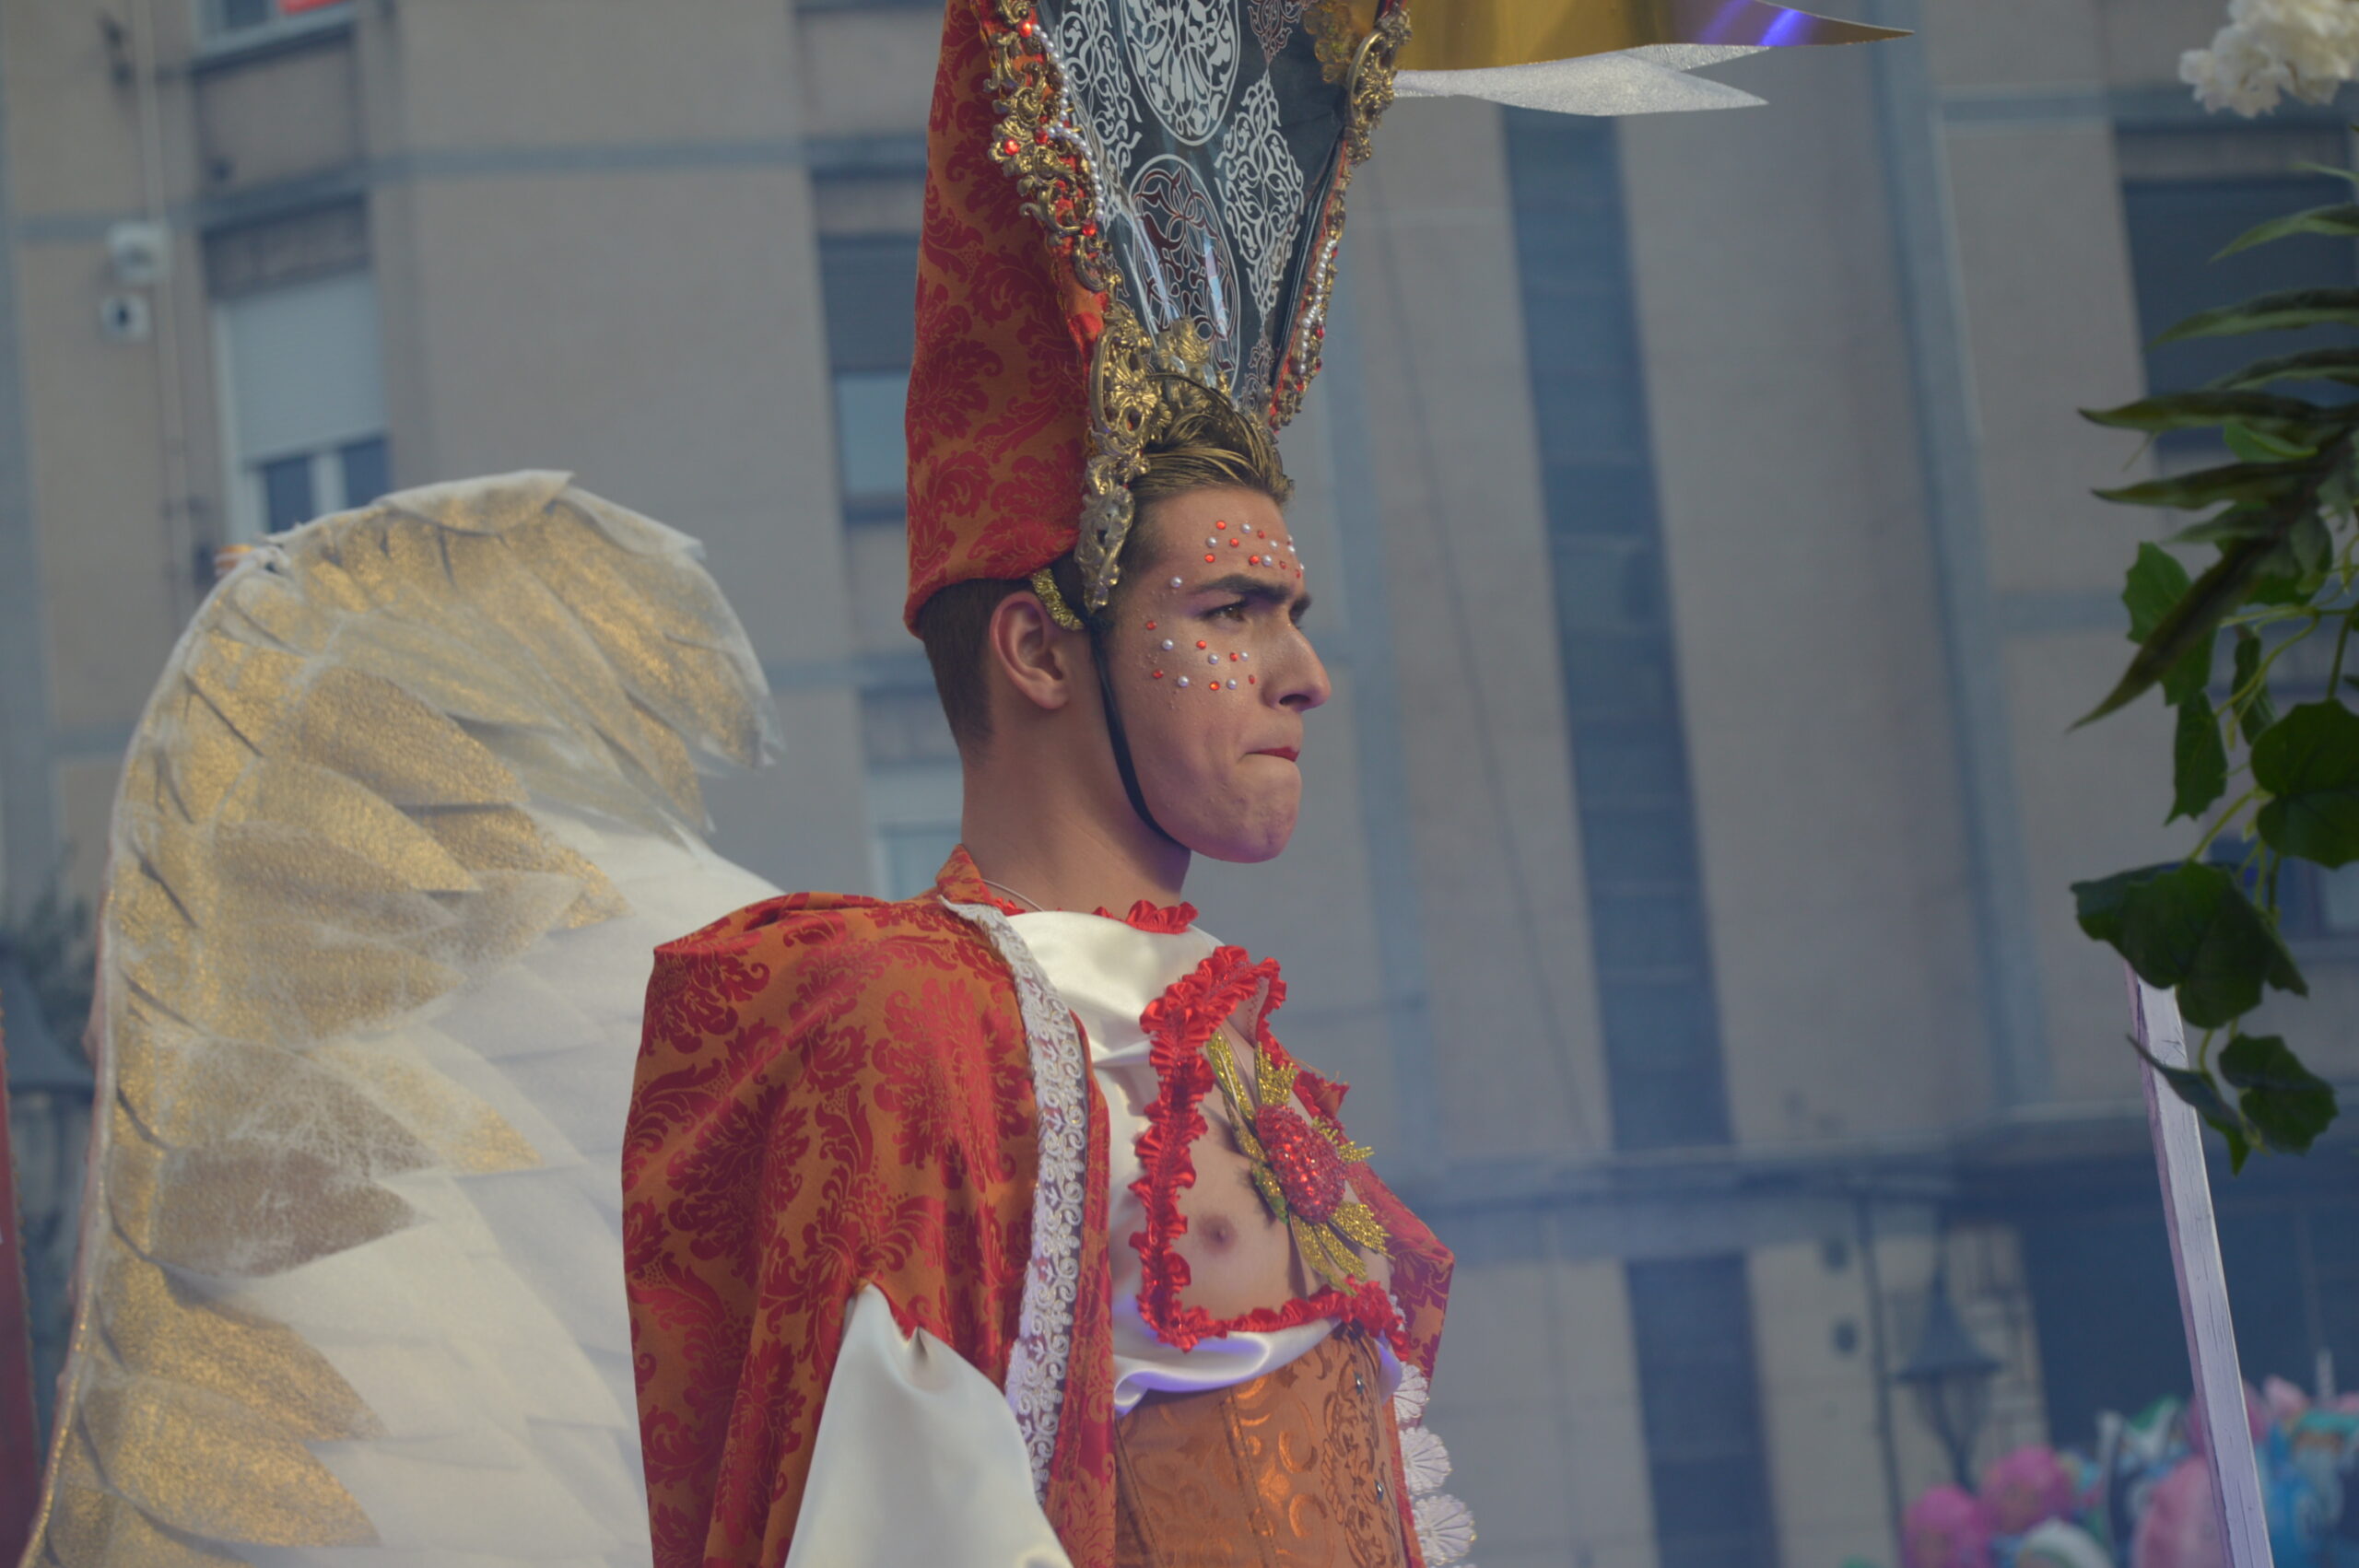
(1308, 1167)
(1010, 147)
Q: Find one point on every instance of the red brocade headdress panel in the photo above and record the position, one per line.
(1117, 191)
(999, 387)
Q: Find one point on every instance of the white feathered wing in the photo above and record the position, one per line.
(412, 805)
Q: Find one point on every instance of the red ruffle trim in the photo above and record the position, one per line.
(1179, 1023)
(1161, 920)
(1164, 919)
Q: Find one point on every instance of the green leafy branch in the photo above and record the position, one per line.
(2284, 563)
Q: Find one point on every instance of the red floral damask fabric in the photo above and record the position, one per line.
(834, 1092)
(999, 389)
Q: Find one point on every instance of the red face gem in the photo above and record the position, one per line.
(1232, 658)
(1236, 542)
(1203, 644)
(1309, 1169)
(1150, 626)
(1252, 560)
(1208, 560)
(1158, 675)
(1252, 681)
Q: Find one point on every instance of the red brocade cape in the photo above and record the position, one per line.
(834, 1092)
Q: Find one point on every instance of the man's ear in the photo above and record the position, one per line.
(1033, 654)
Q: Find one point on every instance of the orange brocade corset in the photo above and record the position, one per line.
(1297, 1469)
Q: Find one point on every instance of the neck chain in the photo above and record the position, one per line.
(1037, 908)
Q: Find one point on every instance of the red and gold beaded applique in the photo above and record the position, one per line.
(1229, 993)
(1301, 1168)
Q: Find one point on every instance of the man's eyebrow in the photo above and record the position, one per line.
(1259, 589)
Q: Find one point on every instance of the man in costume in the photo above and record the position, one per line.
(984, 1227)
(991, 1226)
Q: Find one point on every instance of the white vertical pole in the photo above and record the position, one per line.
(2202, 1285)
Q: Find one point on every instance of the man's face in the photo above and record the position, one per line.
(1213, 672)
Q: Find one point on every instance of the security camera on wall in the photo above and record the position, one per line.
(140, 253)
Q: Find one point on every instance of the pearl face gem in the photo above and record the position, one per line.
(1211, 657)
(1232, 686)
(1174, 582)
(1183, 680)
(1167, 645)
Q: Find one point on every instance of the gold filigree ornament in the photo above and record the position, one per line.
(1369, 95)
(1042, 144)
(1301, 1167)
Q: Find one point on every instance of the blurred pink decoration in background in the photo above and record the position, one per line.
(1947, 1527)
(2179, 1528)
(2287, 1404)
(2028, 1487)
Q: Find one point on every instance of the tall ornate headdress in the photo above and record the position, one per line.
(1123, 192)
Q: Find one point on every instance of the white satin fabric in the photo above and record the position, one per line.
(1108, 973)
(918, 1463)
(1649, 79)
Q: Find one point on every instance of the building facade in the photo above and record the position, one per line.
(1706, 567)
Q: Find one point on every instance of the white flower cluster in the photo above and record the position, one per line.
(2272, 47)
